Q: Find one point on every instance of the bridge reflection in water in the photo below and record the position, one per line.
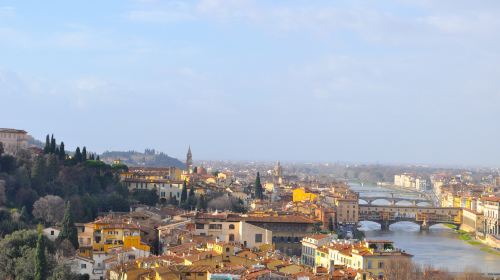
(422, 215)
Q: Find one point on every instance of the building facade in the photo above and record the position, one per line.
(13, 140)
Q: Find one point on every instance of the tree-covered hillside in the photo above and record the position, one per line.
(149, 158)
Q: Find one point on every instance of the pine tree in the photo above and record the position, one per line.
(78, 155)
(52, 144)
(62, 152)
(68, 230)
(259, 191)
(98, 158)
(46, 149)
(184, 193)
(84, 154)
(40, 261)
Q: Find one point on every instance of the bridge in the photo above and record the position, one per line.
(422, 215)
(393, 200)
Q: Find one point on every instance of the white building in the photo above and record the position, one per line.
(51, 233)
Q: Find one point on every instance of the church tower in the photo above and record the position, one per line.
(189, 161)
(278, 173)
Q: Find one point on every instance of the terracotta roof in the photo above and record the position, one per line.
(491, 198)
(12, 130)
(317, 236)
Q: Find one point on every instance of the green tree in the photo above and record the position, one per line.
(52, 167)
(40, 258)
(53, 144)
(1, 149)
(68, 230)
(78, 155)
(184, 193)
(62, 152)
(84, 154)
(259, 191)
(201, 203)
(24, 215)
(191, 198)
(46, 149)
(39, 175)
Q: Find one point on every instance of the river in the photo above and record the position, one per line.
(439, 246)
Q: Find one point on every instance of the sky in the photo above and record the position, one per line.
(401, 81)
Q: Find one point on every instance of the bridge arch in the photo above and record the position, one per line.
(362, 201)
(424, 203)
(381, 201)
(404, 202)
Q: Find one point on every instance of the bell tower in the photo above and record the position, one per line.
(189, 161)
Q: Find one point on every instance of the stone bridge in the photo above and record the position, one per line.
(422, 215)
(393, 200)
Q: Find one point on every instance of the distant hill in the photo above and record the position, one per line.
(149, 158)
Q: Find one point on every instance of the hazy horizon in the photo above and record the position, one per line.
(352, 81)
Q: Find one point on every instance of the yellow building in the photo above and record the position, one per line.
(300, 195)
(108, 234)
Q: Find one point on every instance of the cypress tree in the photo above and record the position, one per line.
(184, 193)
(192, 197)
(84, 154)
(97, 158)
(62, 152)
(46, 149)
(52, 144)
(259, 191)
(68, 230)
(1, 149)
(40, 261)
(78, 155)
(51, 168)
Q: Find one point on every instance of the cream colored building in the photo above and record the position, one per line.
(13, 140)
(491, 212)
(227, 229)
(370, 256)
(347, 210)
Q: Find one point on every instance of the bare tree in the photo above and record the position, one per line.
(399, 268)
(49, 209)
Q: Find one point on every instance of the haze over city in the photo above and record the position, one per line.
(359, 81)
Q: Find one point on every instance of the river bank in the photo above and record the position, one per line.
(440, 246)
(472, 240)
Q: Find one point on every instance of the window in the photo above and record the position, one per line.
(200, 274)
(369, 264)
(200, 226)
(231, 226)
(83, 266)
(227, 249)
(231, 237)
(215, 226)
(51, 232)
(258, 238)
(381, 265)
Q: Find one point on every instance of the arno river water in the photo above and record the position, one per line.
(439, 246)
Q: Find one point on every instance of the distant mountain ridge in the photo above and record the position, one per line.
(150, 158)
